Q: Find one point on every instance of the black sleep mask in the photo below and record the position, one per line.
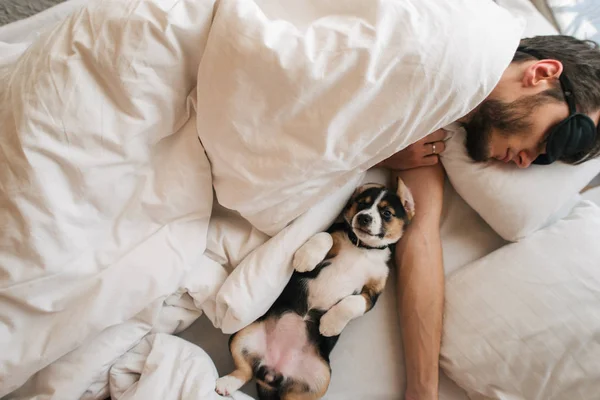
(574, 134)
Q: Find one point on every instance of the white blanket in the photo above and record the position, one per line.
(107, 199)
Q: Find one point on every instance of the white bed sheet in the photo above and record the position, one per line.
(592, 195)
(368, 359)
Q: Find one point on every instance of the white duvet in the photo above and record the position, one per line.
(135, 130)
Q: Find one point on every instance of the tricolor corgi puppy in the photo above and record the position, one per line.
(339, 275)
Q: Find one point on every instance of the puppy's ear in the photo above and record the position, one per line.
(406, 198)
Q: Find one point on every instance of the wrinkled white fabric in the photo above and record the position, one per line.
(146, 372)
(345, 85)
(106, 190)
(115, 130)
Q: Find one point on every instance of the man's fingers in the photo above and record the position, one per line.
(436, 136)
(433, 148)
(419, 154)
(430, 160)
(438, 147)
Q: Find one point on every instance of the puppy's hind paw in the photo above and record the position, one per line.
(312, 252)
(228, 385)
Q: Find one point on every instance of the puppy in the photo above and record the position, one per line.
(339, 275)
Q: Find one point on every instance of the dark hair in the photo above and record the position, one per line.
(581, 64)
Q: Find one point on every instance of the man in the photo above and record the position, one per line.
(523, 120)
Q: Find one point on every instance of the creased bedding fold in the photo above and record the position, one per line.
(123, 124)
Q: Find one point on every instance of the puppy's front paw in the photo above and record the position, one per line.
(228, 385)
(312, 252)
(332, 324)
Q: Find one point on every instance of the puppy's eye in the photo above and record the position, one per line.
(386, 214)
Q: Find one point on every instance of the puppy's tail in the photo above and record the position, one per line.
(267, 393)
(268, 383)
(269, 376)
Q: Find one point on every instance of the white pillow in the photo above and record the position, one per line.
(514, 202)
(295, 101)
(577, 18)
(536, 23)
(592, 195)
(544, 9)
(524, 321)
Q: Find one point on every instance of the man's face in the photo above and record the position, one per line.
(513, 132)
(513, 123)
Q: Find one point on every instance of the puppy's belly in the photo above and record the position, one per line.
(287, 350)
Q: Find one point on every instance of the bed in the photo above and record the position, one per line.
(144, 356)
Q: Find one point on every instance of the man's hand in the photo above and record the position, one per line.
(419, 154)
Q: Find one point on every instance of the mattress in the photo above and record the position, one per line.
(368, 360)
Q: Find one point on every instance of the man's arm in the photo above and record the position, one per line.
(421, 282)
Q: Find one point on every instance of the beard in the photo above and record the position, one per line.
(494, 115)
(507, 119)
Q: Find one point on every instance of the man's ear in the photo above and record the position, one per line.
(541, 71)
(406, 198)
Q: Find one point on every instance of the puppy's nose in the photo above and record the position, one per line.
(364, 219)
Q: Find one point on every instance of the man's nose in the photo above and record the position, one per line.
(523, 160)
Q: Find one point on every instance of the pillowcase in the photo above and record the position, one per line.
(544, 10)
(577, 18)
(515, 202)
(592, 194)
(524, 321)
(535, 22)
